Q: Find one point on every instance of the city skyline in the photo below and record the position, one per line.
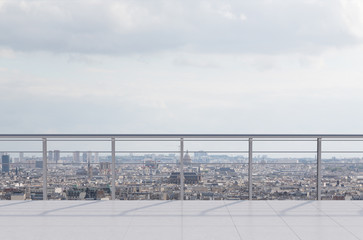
(156, 177)
(175, 174)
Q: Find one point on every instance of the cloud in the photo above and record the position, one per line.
(180, 61)
(113, 27)
(180, 66)
(7, 53)
(353, 16)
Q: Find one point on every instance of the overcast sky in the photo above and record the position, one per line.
(163, 66)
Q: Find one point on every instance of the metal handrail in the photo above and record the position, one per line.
(318, 138)
(181, 136)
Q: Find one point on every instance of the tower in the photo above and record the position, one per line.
(90, 173)
(21, 157)
(84, 157)
(96, 159)
(50, 156)
(76, 157)
(5, 160)
(89, 156)
(56, 156)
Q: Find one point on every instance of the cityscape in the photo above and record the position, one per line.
(88, 175)
(183, 120)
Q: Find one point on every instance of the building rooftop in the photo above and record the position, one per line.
(181, 220)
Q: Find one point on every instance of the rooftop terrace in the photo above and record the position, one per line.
(181, 220)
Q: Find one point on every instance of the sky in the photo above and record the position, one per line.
(191, 66)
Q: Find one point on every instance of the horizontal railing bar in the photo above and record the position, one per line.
(218, 163)
(181, 135)
(342, 139)
(151, 151)
(309, 175)
(174, 140)
(340, 163)
(284, 140)
(131, 151)
(21, 140)
(206, 151)
(138, 163)
(131, 140)
(272, 151)
(21, 151)
(284, 163)
(171, 163)
(342, 151)
(79, 140)
(165, 151)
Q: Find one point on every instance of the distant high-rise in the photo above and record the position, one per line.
(90, 170)
(84, 157)
(21, 157)
(89, 156)
(56, 155)
(5, 160)
(76, 157)
(50, 156)
(96, 157)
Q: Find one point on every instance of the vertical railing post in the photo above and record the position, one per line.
(250, 155)
(113, 168)
(318, 170)
(45, 170)
(181, 169)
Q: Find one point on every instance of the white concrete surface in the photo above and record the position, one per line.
(226, 220)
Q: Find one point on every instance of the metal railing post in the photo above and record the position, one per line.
(45, 166)
(113, 169)
(181, 169)
(250, 155)
(318, 170)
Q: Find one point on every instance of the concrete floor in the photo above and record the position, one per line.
(226, 220)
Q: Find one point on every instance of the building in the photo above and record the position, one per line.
(189, 178)
(105, 168)
(200, 156)
(39, 164)
(89, 156)
(90, 169)
(21, 157)
(105, 165)
(81, 172)
(150, 163)
(187, 159)
(50, 156)
(17, 196)
(84, 157)
(5, 160)
(76, 157)
(56, 156)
